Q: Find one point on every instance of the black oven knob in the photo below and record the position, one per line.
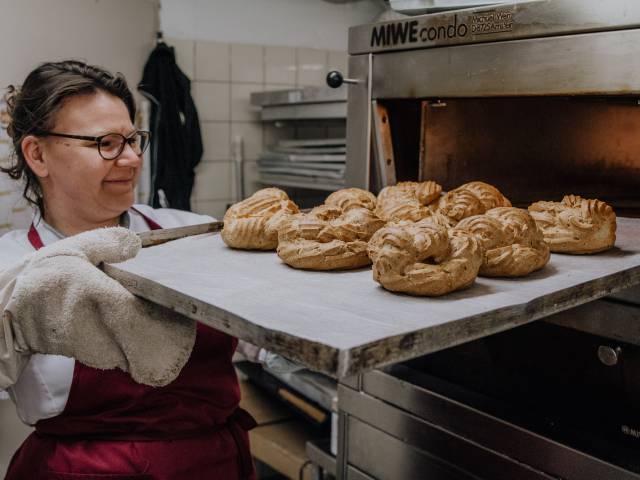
(335, 79)
(609, 355)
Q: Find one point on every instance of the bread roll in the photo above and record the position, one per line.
(349, 198)
(407, 200)
(576, 225)
(422, 258)
(253, 223)
(473, 198)
(512, 243)
(328, 238)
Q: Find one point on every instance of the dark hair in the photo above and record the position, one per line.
(32, 108)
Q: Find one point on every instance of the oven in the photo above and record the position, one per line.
(540, 99)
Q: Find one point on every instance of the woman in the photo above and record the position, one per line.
(78, 151)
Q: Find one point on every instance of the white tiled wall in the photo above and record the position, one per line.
(223, 77)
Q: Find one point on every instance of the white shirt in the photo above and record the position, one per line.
(43, 387)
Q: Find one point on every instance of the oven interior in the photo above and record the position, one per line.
(531, 148)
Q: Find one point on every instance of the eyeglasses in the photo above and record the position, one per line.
(111, 145)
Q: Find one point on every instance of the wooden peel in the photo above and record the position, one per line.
(156, 237)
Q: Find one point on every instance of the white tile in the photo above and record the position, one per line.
(312, 66)
(280, 65)
(251, 183)
(251, 135)
(213, 208)
(212, 101)
(247, 63)
(338, 60)
(241, 108)
(212, 61)
(273, 133)
(213, 181)
(184, 50)
(215, 138)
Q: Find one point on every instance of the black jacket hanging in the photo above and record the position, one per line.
(176, 144)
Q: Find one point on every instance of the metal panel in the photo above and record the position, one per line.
(358, 124)
(318, 453)
(355, 474)
(410, 446)
(387, 458)
(307, 111)
(604, 318)
(299, 96)
(597, 63)
(471, 424)
(383, 147)
(496, 23)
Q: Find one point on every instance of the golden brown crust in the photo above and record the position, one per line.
(576, 225)
(253, 223)
(458, 204)
(473, 198)
(349, 198)
(328, 238)
(407, 200)
(422, 258)
(513, 245)
(489, 196)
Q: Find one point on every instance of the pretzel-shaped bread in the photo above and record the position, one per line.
(576, 225)
(423, 258)
(328, 238)
(349, 198)
(407, 200)
(513, 245)
(473, 198)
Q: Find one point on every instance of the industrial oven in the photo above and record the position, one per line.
(540, 99)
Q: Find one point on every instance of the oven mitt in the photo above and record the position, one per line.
(61, 303)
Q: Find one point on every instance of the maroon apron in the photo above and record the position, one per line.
(114, 428)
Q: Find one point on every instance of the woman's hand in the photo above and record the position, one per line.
(62, 304)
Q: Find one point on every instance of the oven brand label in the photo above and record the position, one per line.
(491, 22)
(414, 31)
(411, 32)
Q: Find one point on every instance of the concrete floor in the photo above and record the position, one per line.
(12, 433)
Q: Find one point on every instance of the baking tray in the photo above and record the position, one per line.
(343, 323)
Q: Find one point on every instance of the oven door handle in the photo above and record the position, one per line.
(335, 79)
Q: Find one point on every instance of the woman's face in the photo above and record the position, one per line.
(78, 178)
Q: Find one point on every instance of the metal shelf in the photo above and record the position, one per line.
(300, 182)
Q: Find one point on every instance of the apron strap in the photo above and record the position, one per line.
(34, 238)
(150, 223)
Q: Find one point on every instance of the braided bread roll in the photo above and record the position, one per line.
(489, 196)
(407, 201)
(422, 258)
(513, 245)
(576, 225)
(328, 238)
(349, 198)
(253, 223)
(473, 198)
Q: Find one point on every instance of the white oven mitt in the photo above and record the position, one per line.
(58, 302)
